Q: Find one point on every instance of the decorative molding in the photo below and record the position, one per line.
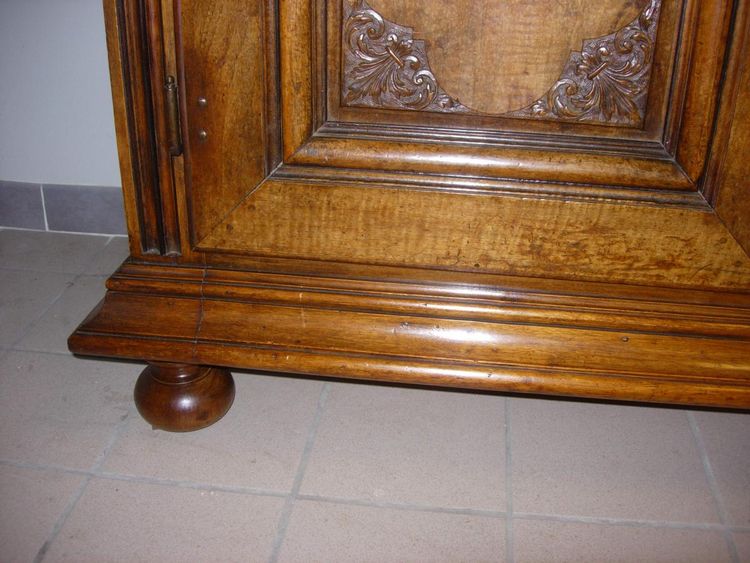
(385, 67)
(607, 82)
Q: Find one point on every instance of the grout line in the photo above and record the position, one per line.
(54, 231)
(73, 501)
(286, 512)
(713, 485)
(35, 271)
(388, 505)
(75, 277)
(84, 271)
(44, 311)
(95, 257)
(403, 506)
(142, 480)
(509, 551)
(30, 350)
(145, 480)
(385, 505)
(44, 208)
(44, 467)
(120, 429)
(632, 523)
(17, 348)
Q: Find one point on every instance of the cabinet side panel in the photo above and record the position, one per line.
(120, 102)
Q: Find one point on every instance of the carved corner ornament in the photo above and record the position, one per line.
(385, 67)
(605, 83)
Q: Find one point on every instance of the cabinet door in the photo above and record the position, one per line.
(596, 141)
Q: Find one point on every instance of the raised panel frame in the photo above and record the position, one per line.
(471, 124)
(673, 160)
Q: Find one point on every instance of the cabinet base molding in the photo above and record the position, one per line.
(602, 341)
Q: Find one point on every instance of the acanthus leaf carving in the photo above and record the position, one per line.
(607, 81)
(385, 67)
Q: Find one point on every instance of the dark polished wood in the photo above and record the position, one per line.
(510, 334)
(381, 190)
(181, 397)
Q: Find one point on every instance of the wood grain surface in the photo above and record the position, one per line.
(227, 70)
(496, 57)
(684, 353)
(516, 236)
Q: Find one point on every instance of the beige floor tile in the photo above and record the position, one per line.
(742, 541)
(607, 460)
(49, 252)
(50, 333)
(328, 532)
(259, 443)
(558, 542)
(31, 501)
(411, 446)
(57, 409)
(727, 440)
(24, 296)
(110, 258)
(125, 521)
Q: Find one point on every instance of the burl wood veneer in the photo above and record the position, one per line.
(508, 195)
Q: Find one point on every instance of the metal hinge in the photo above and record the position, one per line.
(173, 117)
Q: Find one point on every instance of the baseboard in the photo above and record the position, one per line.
(62, 208)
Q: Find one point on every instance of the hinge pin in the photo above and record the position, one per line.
(173, 117)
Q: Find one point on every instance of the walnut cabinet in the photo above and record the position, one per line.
(511, 195)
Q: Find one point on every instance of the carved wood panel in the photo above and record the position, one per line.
(384, 66)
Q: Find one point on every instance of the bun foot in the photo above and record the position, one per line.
(181, 397)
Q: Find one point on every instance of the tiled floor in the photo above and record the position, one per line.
(308, 470)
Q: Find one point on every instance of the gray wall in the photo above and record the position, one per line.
(56, 123)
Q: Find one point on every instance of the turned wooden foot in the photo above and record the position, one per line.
(181, 398)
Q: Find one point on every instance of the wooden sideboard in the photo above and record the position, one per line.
(519, 196)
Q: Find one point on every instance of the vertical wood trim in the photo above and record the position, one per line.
(118, 71)
(171, 38)
(296, 74)
(679, 89)
(140, 120)
(157, 75)
(136, 64)
(183, 171)
(704, 78)
(319, 62)
(731, 93)
(727, 185)
(272, 103)
(136, 119)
